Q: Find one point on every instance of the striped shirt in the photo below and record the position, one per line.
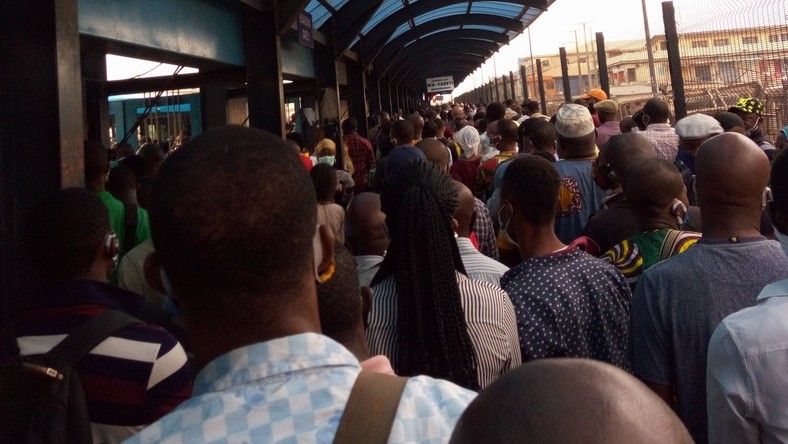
(479, 266)
(132, 378)
(489, 315)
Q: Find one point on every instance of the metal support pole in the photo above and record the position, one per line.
(579, 69)
(649, 49)
(674, 60)
(511, 85)
(604, 79)
(565, 75)
(524, 78)
(540, 79)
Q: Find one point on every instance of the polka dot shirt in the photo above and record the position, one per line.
(570, 304)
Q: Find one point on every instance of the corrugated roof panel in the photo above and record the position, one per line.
(457, 9)
(505, 9)
(318, 12)
(386, 9)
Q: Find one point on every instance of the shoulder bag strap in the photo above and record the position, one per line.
(88, 335)
(371, 409)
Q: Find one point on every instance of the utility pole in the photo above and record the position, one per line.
(649, 51)
(579, 70)
(533, 66)
(588, 59)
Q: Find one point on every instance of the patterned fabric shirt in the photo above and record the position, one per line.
(637, 254)
(132, 378)
(489, 316)
(664, 140)
(579, 198)
(479, 266)
(570, 304)
(363, 156)
(294, 390)
(485, 232)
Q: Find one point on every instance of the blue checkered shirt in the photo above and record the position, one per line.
(294, 390)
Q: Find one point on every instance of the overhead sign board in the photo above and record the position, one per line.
(440, 84)
(305, 30)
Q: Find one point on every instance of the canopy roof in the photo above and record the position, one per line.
(411, 40)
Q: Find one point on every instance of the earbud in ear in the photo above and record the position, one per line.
(112, 246)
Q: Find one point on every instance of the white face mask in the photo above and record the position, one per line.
(679, 206)
(505, 226)
(783, 239)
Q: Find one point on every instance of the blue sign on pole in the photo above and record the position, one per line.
(305, 30)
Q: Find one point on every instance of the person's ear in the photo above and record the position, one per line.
(323, 246)
(366, 304)
(454, 225)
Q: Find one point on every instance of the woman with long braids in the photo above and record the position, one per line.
(427, 316)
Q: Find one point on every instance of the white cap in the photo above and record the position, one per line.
(573, 121)
(697, 126)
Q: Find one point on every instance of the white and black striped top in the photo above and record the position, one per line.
(479, 266)
(489, 314)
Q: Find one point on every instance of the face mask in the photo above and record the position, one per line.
(505, 226)
(754, 128)
(783, 239)
(682, 220)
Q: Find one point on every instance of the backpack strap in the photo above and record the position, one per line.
(370, 409)
(88, 335)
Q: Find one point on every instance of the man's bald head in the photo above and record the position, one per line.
(624, 150)
(457, 112)
(731, 174)
(418, 124)
(731, 169)
(435, 151)
(592, 402)
(365, 225)
(464, 214)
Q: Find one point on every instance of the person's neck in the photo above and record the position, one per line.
(298, 316)
(357, 343)
(538, 241)
(651, 224)
(507, 146)
(737, 222)
(96, 186)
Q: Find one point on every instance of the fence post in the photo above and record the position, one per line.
(674, 60)
(540, 79)
(565, 75)
(525, 82)
(604, 79)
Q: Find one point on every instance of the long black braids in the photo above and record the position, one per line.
(423, 257)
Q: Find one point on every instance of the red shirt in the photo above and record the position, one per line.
(363, 157)
(306, 161)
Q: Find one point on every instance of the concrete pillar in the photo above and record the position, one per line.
(264, 87)
(42, 128)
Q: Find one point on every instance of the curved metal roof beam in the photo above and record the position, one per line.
(443, 23)
(490, 39)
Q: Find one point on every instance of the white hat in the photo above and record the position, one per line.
(697, 126)
(469, 140)
(574, 121)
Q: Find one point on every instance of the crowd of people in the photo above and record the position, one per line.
(481, 273)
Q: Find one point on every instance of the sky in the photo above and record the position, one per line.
(621, 20)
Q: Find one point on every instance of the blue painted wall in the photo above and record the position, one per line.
(197, 28)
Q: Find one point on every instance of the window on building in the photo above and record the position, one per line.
(722, 42)
(749, 40)
(774, 38)
(550, 85)
(663, 70)
(631, 75)
(728, 72)
(703, 73)
(545, 63)
(663, 45)
(700, 43)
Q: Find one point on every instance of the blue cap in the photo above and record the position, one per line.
(402, 155)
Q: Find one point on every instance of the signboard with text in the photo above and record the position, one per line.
(305, 30)
(440, 84)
